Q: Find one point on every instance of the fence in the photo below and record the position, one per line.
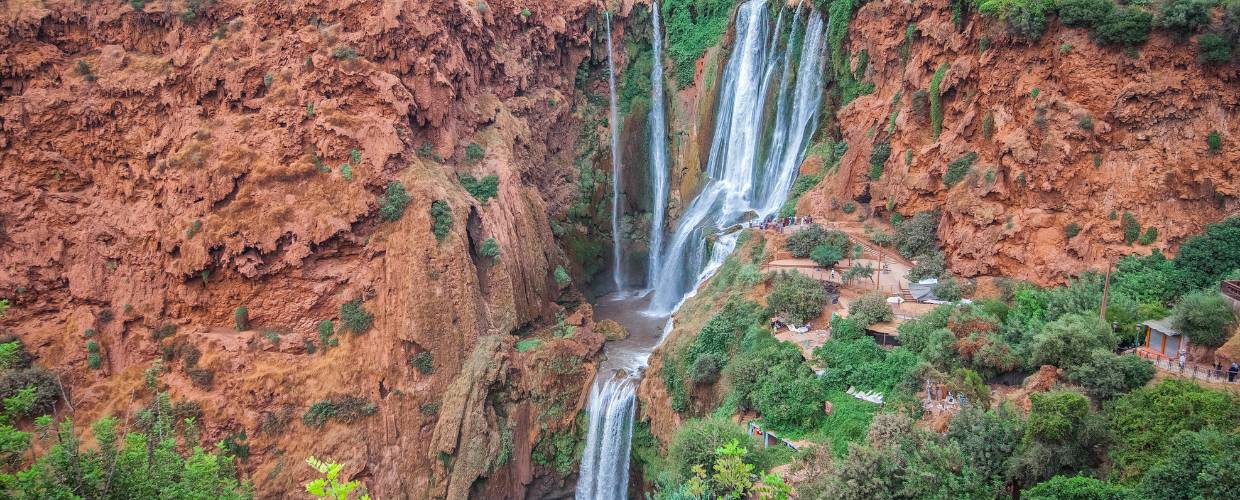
(1188, 370)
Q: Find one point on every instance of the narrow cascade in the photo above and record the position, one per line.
(605, 462)
(613, 123)
(742, 179)
(658, 152)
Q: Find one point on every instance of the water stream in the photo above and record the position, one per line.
(613, 124)
(752, 164)
(658, 151)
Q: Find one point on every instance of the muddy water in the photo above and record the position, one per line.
(645, 332)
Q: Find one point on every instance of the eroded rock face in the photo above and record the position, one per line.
(170, 171)
(1066, 132)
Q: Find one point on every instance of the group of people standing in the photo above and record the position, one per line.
(779, 223)
(1232, 370)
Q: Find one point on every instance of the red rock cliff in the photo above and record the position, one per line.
(172, 164)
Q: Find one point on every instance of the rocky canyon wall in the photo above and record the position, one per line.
(1065, 132)
(170, 162)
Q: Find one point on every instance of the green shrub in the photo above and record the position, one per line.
(355, 317)
(1132, 228)
(803, 242)
(345, 409)
(163, 331)
(490, 248)
(878, 157)
(202, 378)
(1086, 122)
(1068, 341)
(431, 408)
(797, 297)
(931, 264)
(344, 52)
(1079, 487)
(1150, 235)
(848, 207)
(917, 235)
(1026, 19)
(326, 329)
(424, 362)
(1204, 316)
(826, 255)
(1071, 230)
(482, 190)
(441, 217)
(561, 276)
(1212, 48)
(1184, 16)
(1084, 13)
(988, 126)
(958, 168)
(193, 229)
(241, 318)
(936, 105)
(705, 369)
(1214, 142)
(394, 201)
(948, 289)
(474, 152)
(1141, 421)
(1125, 26)
(691, 27)
(1105, 375)
(527, 344)
(871, 308)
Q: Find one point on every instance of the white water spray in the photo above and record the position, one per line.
(605, 462)
(613, 123)
(658, 152)
(741, 178)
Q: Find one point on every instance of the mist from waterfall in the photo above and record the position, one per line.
(742, 180)
(658, 152)
(613, 124)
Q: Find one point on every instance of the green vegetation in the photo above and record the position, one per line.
(1142, 421)
(193, 229)
(394, 201)
(424, 362)
(490, 248)
(796, 297)
(1212, 48)
(474, 152)
(1084, 13)
(482, 190)
(1124, 26)
(441, 218)
(936, 105)
(1071, 230)
(329, 486)
(878, 157)
(528, 345)
(895, 112)
(561, 276)
(326, 331)
(354, 317)
(958, 168)
(802, 242)
(692, 26)
(1149, 236)
(1204, 316)
(1132, 228)
(345, 409)
(1214, 142)
(870, 308)
(344, 52)
(1184, 17)
(988, 126)
(241, 318)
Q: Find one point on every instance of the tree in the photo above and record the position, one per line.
(1105, 375)
(1077, 488)
(928, 265)
(732, 474)
(826, 255)
(1201, 464)
(695, 442)
(329, 486)
(789, 396)
(1184, 16)
(1206, 258)
(1127, 26)
(803, 242)
(871, 308)
(1141, 421)
(1068, 341)
(1061, 435)
(948, 289)
(917, 235)
(1204, 316)
(988, 439)
(1084, 13)
(797, 297)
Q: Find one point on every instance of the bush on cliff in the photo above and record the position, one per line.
(1084, 13)
(1126, 26)
(796, 297)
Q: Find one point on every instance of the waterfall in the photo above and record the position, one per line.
(605, 462)
(613, 123)
(658, 152)
(741, 179)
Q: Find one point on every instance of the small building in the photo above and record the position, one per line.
(1162, 339)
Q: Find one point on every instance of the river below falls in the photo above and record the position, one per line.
(645, 332)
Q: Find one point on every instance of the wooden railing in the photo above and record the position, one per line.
(1230, 289)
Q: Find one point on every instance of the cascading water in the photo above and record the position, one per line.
(613, 123)
(745, 175)
(605, 462)
(741, 180)
(658, 151)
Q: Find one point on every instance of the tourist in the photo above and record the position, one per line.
(1183, 356)
(1231, 372)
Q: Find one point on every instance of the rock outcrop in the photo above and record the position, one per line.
(170, 164)
(1065, 132)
